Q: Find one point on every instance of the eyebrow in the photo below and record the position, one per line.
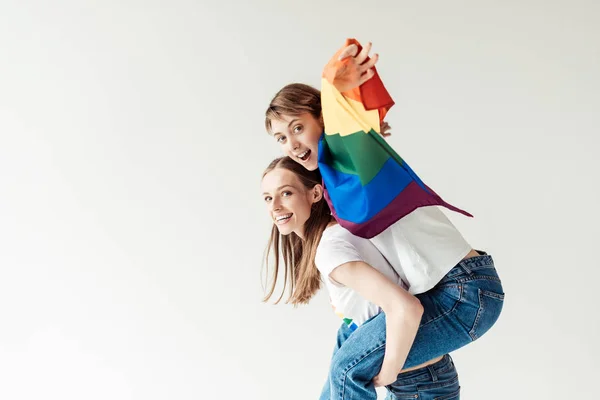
(281, 187)
(290, 124)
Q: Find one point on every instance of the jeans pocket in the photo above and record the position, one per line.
(490, 307)
(451, 396)
(440, 301)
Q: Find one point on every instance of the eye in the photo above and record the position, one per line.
(297, 129)
(268, 199)
(280, 139)
(286, 193)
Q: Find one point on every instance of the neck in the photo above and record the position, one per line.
(300, 232)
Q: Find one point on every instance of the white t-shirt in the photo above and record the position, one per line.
(337, 247)
(422, 247)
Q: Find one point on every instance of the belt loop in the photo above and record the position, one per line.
(434, 376)
(464, 266)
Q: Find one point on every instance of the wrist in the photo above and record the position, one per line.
(391, 363)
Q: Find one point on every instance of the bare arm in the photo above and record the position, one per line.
(403, 312)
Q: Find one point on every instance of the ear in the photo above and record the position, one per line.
(321, 120)
(317, 193)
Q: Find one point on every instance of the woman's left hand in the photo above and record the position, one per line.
(385, 377)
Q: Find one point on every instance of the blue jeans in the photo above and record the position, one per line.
(458, 310)
(438, 381)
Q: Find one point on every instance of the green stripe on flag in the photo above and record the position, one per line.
(359, 154)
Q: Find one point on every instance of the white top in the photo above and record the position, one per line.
(422, 247)
(337, 247)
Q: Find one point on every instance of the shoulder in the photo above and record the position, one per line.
(337, 237)
(337, 246)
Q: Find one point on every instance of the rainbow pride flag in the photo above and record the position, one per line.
(368, 185)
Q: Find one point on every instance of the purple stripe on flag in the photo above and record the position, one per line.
(411, 198)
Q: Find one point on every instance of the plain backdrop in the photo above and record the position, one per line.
(132, 227)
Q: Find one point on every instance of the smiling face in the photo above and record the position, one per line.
(288, 201)
(299, 137)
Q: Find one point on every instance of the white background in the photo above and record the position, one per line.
(132, 226)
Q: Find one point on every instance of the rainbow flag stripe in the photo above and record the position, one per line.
(348, 321)
(368, 185)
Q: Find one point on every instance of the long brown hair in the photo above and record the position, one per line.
(293, 100)
(298, 254)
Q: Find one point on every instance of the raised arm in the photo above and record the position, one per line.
(352, 95)
(368, 185)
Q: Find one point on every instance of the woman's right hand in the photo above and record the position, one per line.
(385, 129)
(354, 69)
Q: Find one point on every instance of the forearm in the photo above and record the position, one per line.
(403, 310)
(402, 324)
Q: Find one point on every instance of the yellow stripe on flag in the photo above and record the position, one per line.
(345, 116)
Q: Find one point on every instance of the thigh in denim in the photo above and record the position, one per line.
(357, 360)
(458, 310)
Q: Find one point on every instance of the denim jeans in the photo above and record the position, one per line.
(438, 381)
(458, 310)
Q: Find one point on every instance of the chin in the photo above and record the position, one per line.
(284, 231)
(312, 167)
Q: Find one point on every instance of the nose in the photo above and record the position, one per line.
(292, 144)
(275, 205)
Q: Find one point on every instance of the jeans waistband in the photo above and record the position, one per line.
(432, 370)
(482, 261)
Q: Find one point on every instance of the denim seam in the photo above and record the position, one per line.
(497, 296)
(418, 380)
(421, 376)
(438, 385)
(445, 368)
(449, 396)
(471, 268)
(403, 396)
(479, 278)
(481, 309)
(433, 373)
(478, 317)
(476, 264)
(478, 261)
